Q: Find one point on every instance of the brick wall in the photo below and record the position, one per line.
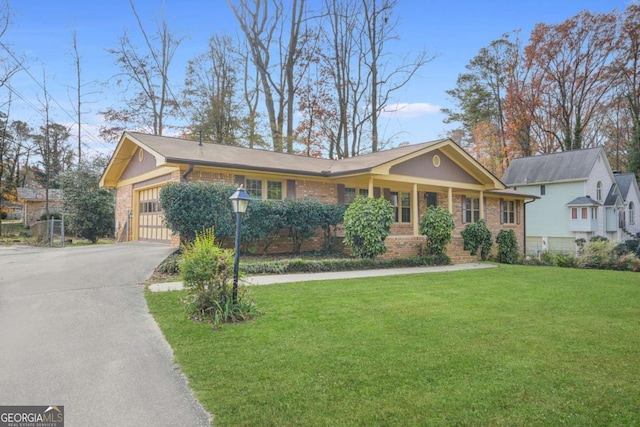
(401, 243)
(36, 209)
(124, 207)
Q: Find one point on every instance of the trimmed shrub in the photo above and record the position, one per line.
(330, 216)
(477, 239)
(367, 223)
(299, 265)
(302, 219)
(261, 224)
(437, 225)
(507, 246)
(191, 207)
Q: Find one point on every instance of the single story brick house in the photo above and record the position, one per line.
(33, 201)
(412, 177)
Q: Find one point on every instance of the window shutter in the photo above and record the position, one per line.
(291, 189)
(502, 211)
(464, 209)
(340, 191)
(517, 211)
(239, 180)
(376, 192)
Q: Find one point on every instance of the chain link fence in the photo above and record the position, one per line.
(49, 232)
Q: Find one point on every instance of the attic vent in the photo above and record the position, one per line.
(436, 161)
(140, 154)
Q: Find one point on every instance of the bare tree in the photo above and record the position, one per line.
(22, 135)
(267, 37)
(364, 71)
(76, 60)
(251, 97)
(9, 67)
(341, 41)
(150, 100)
(379, 29)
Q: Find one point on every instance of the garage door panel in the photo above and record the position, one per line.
(151, 217)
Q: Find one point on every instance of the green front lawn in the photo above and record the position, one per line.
(510, 346)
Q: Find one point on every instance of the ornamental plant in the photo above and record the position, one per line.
(207, 273)
(477, 239)
(437, 225)
(367, 223)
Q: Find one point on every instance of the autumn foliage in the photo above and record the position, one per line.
(573, 85)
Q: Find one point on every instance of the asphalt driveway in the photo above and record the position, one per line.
(75, 331)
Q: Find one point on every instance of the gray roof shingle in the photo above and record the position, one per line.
(246, 158)
(33, 194)
(565, 166)
(624, 181)
(583, 201)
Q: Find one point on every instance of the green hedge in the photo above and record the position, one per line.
(300, 265)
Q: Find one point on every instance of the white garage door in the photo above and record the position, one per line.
(151, 217)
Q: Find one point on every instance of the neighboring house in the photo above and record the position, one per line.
(411, 177)
(580, 197)
(33, 201)
(12, 210)
(630, 192)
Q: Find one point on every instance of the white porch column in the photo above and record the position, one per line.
(450, 197)
(370, 190)
(481, 204)
(416, 214)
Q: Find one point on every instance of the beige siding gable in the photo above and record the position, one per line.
(140, 163)
(433, 165)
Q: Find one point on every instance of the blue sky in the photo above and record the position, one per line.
(41, 31)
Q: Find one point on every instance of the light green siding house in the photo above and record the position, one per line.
(580, 197)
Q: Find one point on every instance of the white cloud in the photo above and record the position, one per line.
(408, 111)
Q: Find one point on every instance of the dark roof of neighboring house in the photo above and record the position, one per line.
(37, 194)
(613, 197)
(565, 166)
(624, 181)
(10, 205)
(246, 158)
(583, 201)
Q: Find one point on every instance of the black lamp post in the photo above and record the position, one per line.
(239, 202)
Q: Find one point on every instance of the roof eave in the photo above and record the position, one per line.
(172, 160)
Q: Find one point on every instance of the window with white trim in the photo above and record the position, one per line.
(599, 191)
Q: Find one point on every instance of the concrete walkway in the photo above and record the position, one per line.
(333, 275)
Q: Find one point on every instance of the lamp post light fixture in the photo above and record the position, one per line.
(239, 202)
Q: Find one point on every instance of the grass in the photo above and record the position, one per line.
(510, 346)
